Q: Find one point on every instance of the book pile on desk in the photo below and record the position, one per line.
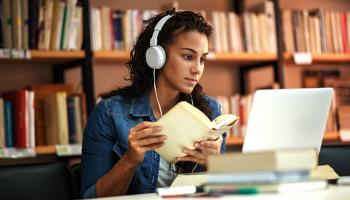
(256, 172)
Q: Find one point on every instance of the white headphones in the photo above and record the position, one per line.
(155, 54)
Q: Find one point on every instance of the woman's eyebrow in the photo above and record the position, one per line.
(193, 51)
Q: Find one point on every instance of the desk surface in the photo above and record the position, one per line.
(331, 193)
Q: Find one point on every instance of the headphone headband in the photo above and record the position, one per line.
(157, 29)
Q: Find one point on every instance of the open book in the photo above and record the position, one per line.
(184, 124)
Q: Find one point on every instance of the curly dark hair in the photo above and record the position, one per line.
(141, 76)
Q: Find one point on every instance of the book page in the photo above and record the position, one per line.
(225, 121)
(197, 113)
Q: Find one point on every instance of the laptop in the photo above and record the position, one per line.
(287, 119)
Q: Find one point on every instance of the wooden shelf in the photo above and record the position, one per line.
(37, 54)
(242, 57)
(123, 56)
(116, 56)
(234, 141)
(45, 150)
(47, 57)
(323, 58)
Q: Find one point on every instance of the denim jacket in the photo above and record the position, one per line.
(106, 141)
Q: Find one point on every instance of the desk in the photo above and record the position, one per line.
(331, 193)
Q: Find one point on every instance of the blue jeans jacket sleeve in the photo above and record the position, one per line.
(216, 111)
(98, 156)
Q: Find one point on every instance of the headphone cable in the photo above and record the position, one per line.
(155, 90)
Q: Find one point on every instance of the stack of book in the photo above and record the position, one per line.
(255, 172)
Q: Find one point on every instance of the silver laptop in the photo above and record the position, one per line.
(287, 118)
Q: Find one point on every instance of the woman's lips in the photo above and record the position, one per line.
(192, 81)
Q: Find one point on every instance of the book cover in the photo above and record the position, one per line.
(56, 120)
(280, 160)
(9, 129)
(184, 124)
(2, 124)
(33, 23)
(78, 119)
(71, 120)
(7, 24)
(19, 99)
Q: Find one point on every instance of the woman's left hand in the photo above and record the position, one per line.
(203, 149)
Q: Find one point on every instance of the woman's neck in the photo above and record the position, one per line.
(167, 99)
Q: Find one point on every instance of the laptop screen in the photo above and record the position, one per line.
(287, 118)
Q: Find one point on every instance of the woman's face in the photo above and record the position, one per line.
(185, 62)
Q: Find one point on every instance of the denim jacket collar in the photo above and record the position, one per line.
(140, 106)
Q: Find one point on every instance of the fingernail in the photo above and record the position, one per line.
(196, 145)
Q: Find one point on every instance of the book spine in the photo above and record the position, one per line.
(2, 124)
(9, 128)
(71, 120)
(62, 120)
(8, 23)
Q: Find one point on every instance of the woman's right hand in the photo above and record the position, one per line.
(143, 138)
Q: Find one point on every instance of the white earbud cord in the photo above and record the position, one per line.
(160, 108)
(155, 91)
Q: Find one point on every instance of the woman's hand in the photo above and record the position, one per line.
(143, 138)
(203, 149)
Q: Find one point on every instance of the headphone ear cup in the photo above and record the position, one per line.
(155, 57)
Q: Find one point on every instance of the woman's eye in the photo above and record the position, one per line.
(203, 60)
(187, 57)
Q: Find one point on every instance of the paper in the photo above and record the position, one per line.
(302, 58)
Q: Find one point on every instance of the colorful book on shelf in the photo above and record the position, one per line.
(71, 120)
(33, 21)
(2, 124)
(280, 160)
(184, 124)
(75, 123)
(9, 128)
(56, 121)
(7, 24)
(79, 118)
(41, 91)
(19, 99)
(25, 16)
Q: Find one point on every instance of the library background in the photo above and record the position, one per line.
(58, 56)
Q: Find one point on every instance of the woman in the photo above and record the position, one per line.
(119, 139)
